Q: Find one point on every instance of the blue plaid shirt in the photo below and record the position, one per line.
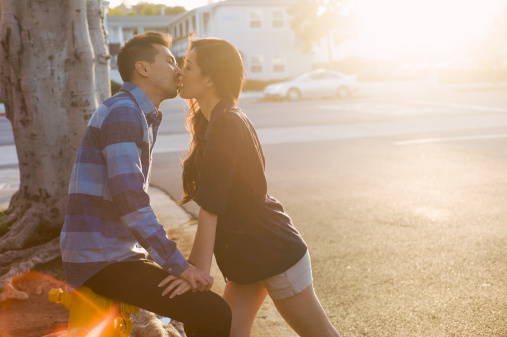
(109, 218)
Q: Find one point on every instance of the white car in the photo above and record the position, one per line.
(318, 83)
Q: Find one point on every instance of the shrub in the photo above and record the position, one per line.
(256, 85)
(115, 87)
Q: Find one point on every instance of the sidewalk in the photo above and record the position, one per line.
(180, 227)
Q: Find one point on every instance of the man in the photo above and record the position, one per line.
(110, 228)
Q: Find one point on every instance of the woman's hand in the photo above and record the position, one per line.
(177, 286)
(198, 280)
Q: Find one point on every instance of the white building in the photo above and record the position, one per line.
(122, 28)
(260, 29)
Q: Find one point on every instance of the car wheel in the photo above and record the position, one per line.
(343, 92)
(293, 94)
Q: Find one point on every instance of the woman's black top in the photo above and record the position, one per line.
(255, 238)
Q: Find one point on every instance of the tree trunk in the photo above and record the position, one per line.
(54, 73)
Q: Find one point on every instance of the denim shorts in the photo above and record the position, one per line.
(292, 281)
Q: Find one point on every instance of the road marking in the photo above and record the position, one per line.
(179, 142)
(449, 139)
(396, 109)
(460, 106)
(333, 107)
(301, 134)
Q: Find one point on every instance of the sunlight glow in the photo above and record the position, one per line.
(426, 26)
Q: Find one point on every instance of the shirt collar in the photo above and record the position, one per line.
(221, 106)
(142, 100)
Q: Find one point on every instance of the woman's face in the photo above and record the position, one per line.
(194, 82)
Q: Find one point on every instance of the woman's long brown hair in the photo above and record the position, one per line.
(222, 62)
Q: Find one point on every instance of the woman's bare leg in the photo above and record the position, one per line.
(244, 300)
(305, 315)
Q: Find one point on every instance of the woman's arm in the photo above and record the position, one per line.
(204, 243)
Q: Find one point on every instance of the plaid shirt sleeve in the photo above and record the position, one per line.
(126, 149)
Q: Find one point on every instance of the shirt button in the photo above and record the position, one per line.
(170, 269)
(226, 246)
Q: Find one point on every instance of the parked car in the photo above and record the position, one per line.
(318, 83)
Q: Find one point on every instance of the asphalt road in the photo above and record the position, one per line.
(400, 194)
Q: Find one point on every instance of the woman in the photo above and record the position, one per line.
(256, 246)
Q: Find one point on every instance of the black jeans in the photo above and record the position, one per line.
(202, 313)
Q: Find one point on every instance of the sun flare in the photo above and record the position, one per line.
(426, 26)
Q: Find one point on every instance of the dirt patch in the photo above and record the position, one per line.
(36, 316)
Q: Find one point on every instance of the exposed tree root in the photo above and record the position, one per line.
(30, 224)
(23, 261)
(146, 324)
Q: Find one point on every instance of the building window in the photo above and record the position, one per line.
(278, 19)
(279, 64)
(187, 28)
(181, 30)
(255, 19)
(194, 27)
(256, 66)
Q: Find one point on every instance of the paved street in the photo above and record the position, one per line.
(399, 193)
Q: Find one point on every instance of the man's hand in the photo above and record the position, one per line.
(198, 279)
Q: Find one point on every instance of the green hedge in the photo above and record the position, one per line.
(115, 87)
(254, 85)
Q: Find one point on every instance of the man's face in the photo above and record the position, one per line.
(165, 73)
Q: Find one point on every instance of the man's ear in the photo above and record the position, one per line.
(141, 68)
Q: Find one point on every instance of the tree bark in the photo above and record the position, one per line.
(54, 72)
